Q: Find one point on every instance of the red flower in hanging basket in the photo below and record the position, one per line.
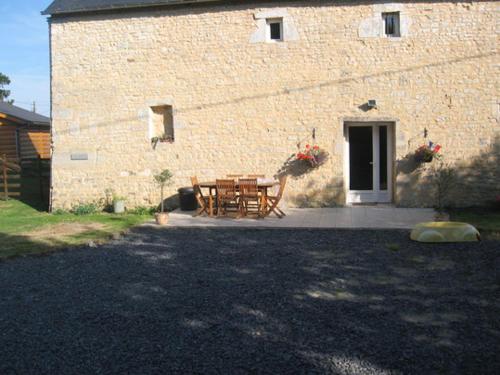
(315, 156)
(426, 153)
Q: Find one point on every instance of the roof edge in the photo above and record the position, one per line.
(47, 11)
(18, 114)
(23, 121)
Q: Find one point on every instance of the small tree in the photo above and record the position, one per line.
(4, 93)
(444, 179)
(163, 179)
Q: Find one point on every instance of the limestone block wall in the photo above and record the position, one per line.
(244, 105)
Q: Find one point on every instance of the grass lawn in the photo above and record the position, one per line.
(486, 221)
(25, 230)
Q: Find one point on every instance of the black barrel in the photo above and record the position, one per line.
(187, 199)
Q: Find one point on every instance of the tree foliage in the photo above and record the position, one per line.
(163, 179)
(4, 93)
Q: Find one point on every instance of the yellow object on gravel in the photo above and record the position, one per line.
(444, 231)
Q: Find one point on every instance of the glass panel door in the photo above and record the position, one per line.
(369, 167)
(361, 157)
(383, 157)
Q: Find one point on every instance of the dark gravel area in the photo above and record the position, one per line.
(239, 301)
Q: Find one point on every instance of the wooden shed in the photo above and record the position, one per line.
(24, 154)
(23, 134)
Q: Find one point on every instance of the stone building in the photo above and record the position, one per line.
(243, 86)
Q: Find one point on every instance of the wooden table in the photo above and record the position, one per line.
(263, 187)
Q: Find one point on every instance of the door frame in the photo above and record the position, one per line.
(376, 195)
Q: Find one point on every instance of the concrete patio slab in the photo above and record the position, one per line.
(375, 217)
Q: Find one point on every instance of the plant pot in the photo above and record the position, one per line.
(161, 218)
(119, 207)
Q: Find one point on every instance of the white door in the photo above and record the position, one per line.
(369, 162)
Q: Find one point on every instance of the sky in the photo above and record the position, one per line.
(24, 56)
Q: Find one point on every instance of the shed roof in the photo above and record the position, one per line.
(28, 117)
(79, 6)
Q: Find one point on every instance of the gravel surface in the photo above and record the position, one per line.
(234, 301)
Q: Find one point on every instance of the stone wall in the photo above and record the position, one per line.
(244, 105)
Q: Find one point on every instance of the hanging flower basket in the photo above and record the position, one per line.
(427, 153)
(303, 162)
(314, 155)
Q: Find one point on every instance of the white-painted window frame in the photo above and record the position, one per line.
(270, 21)
(397, 26)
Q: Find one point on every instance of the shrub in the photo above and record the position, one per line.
(444, 179)
(59, 211)
(85, 209)
(142, 210)
(117, 198)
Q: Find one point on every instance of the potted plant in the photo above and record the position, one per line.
(426, 153)
(163, 179)
(118, 204)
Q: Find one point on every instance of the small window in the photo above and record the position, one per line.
(391, 23)
(275, 29)
(163, 123)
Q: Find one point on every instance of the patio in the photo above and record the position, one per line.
(375, 217)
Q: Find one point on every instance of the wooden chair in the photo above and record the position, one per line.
(273, 201)
(226, 196)
(256, 176)
(233, 176)
(200, 198)
(249, 196)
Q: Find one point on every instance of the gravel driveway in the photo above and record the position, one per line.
(234, 301)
